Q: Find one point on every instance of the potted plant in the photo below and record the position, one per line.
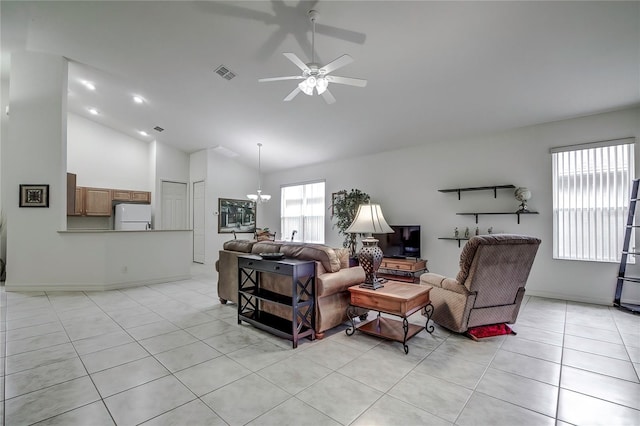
(344, 206)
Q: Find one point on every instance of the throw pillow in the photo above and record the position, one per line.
(343, 256)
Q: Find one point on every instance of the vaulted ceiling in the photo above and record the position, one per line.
(436, 71)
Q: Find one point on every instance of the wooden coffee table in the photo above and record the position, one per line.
(395, 298)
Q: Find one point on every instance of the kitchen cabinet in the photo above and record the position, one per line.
(78, 201)
(134, 196)
(85, 201)
(91, 202)
(97, 202)
(71, 194)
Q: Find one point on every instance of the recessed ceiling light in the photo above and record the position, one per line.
(137, 99)
(89, 85)
(93, 111)
(143, 133)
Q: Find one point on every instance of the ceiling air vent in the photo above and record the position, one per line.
(158, 129)
(225, 72)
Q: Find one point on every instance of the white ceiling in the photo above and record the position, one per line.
(436, 70)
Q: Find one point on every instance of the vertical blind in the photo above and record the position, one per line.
(302, 210)
(591, 190)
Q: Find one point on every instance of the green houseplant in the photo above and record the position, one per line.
(344, 206)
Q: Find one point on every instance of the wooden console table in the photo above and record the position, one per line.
(406, 270)
(395, 298)
(300, 301)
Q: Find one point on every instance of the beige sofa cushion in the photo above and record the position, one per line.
(343, 256)
(323, 254)
(243, 246)
(265, 247)
(336, 282)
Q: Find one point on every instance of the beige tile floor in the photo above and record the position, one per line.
(170, 354)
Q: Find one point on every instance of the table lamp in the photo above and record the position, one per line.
(369, 220)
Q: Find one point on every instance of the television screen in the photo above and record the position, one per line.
(403, 243)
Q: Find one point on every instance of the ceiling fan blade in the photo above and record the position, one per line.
(291, 77)
(328, 97)
(297, 61)
(337, 63)
(341, 33)
(293, 94)
(347, 80)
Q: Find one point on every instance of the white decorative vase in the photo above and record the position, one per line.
(522, 194)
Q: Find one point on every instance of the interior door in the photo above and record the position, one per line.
(174, 205)
(198, 221)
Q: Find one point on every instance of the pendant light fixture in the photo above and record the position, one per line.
(259, 197)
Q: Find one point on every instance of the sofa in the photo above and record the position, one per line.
(333, 277)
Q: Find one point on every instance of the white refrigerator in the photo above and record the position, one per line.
(132, 217)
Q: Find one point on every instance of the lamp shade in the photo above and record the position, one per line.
(369, 220)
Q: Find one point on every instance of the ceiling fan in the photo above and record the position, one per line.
(313, 75)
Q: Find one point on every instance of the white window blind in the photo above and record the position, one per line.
(591, 191)
(302, 210)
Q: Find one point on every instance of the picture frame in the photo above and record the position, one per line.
(236, 216)
(34, 195)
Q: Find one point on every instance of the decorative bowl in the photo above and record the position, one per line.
(271, 256)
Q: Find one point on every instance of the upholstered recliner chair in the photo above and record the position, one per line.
(490, 285)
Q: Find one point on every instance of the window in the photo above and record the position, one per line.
(302, 212)
(591, 191)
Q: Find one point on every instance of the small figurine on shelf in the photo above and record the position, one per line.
(456, 233)
(477, 231)
(490, 230)
(466, 232)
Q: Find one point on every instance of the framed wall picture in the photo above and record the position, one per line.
(34, 195)
(237, 216)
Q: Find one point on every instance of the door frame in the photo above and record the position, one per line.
(204, 217)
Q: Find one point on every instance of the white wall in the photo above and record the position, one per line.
(39, 256)
(406, 183)
(105, 158)
(224, 178)
(34, 153)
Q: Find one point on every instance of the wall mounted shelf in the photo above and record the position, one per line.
(476, 214)
(454, 239)
(494, 188)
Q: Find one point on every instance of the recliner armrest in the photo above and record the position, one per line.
(437, 280)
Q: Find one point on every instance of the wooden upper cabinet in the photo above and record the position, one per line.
(71, 194)
(134, 196)
(121, 195)
(79, 202)
(97, 202)
(141, 196)
(84, 201)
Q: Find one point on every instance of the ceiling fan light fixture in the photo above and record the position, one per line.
(306, 88)
(314, 75)
(321, 85)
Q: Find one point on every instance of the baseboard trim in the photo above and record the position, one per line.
(13, 287)
(570, 297)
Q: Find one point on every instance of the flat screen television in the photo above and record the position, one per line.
(403, 243)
